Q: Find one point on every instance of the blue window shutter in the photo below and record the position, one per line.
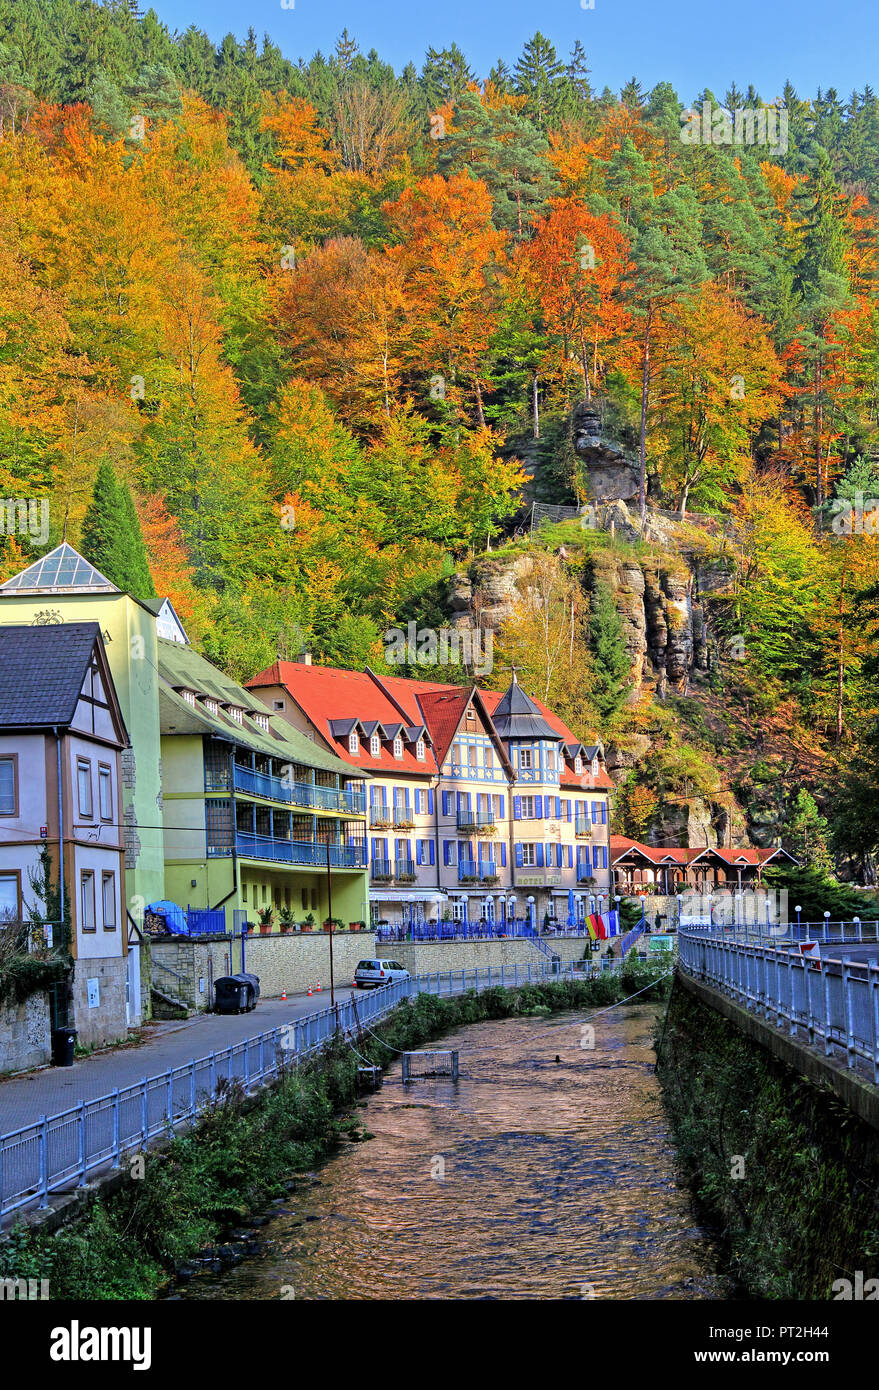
(604, 813)
(539, 849)
(538, 807)
(604, 856)
(518, 856)
(517, 808)
(447, 851)
(445, 803)
(503, 856)
(558, 808)
(567, 808)
(503, 807)
(570, 856)
(558, 856)
(375, 853)
(418, 855)
(469, 802)
(432, 856)
(595, 856)
(430, 801)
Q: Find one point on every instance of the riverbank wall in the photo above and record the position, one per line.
(778, 1164)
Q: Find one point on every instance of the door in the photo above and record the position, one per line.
(132, 986)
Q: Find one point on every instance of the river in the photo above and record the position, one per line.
(545, 1172)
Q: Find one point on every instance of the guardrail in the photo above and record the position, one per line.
(832, 1000)
(60, 1151)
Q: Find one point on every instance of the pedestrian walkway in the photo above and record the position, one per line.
(24, 1099)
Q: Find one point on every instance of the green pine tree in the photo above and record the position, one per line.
(611, 663)
(111, 536)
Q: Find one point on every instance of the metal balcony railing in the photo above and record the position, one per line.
(403, 818)
(476, 820)
(273, 788)
(308, 853)
(404, 870)
(583, 826)
(381, 869)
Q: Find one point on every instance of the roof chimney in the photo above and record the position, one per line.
(304, 658)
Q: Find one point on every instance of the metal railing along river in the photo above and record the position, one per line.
(59, 1152)
(830, 1000)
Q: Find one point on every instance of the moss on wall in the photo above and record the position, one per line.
(787, 1173)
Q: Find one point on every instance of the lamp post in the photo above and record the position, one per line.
(511, 913)
(330, 919)
(798, 910)
(531, 915)
(857, 925)
(680, 903)
(617, 899)
(643, 898)
(826, 926)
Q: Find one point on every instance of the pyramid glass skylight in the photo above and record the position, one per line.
(61, 571)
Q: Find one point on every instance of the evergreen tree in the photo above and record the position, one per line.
(539, 76)
(611, 665)
(111, 536)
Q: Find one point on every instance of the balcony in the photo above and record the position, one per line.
(476, 823)
(404, 871)
(382, 871)
(305, 853)
(583, 826)
(403, 818)
(274, 788)
(483, 871)
(380, 818)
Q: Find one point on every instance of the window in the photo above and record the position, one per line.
(9, 897)
(525, 757)
(108, 884)
(529, 855)
(420, 802)
(472, 756)
(489, 759)
(419, 750)
(550, 759)
(105, 792)
(578, 763)
(353, 743)
(398, 747)
(189, 696)
(87, 900)
(84, 785)
(278, 704)
(594, 767)
(211, 706)
(236, 712)
(456, 754)
(527, 807)
(375, 746)
(262, 722)
(8, 780)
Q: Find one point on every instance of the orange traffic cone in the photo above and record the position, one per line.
(309, 989)
(283, 994)
(318, 986)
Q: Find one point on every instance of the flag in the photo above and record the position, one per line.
(590, 922)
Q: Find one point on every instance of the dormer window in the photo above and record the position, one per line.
(353, 743)
(236, 712)
(211, 705)
(594, 767)
(419, 750)
(398, 747)
(262, 722)
(578, 763)
(375, 746)
(189, 697)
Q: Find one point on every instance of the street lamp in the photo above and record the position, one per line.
(857, 924)
(643, 898)
(826, 926)
(532, 916)
(680, 902)
(798, 910)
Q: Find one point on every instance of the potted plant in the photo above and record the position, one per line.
(286, 916)
(357, 926)
(266, 918)
(333, 922)
(308, 924)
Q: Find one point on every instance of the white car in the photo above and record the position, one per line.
(378, 972)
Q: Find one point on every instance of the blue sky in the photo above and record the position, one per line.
(814, 42)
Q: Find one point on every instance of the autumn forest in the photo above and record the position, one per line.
(328, 324)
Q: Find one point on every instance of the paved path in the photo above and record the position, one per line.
(24, 1099)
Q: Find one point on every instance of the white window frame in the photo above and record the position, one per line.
(529, 855)
(578, 763)
(526, 758)
(105, 783)
(87, 900)
(528, 808)
(84, 769)
(11, 761)
(419, 750)
(354, 743)
(108, 877)
(375, 746)
(398, 747)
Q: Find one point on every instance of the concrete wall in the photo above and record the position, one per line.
(25, 1034)
(427, 957)
(109, 1020)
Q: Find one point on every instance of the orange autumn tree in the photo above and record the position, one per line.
(452, 257)
(575, 263)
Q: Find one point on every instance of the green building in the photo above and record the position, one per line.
(254, 810)
(226, 806)
(62, 587)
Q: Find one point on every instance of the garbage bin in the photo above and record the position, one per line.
(235, 994)
(63, 1043)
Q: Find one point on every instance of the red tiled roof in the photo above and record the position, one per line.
(326, 693)
(620, 845)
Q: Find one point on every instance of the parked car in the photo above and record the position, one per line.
(378, 972)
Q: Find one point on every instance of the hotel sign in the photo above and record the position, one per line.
(538, 880)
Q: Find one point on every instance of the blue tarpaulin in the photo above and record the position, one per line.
(175, 917)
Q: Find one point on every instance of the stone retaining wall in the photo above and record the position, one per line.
(25, 1030)
(293, 963)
